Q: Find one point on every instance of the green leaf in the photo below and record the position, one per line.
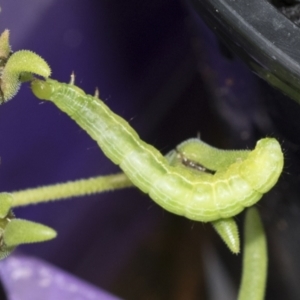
(19, 231)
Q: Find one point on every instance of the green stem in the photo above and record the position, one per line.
(71, 189)
(255, 259)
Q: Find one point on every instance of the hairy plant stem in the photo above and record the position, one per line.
(71, 189)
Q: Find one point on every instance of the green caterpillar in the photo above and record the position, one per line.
(195, 180)
(199, 196)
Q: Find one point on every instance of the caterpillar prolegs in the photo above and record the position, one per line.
(199, 196)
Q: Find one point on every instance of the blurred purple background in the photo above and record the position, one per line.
(157, 65)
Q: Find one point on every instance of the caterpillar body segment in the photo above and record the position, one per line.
(210, 157)
(180, 190)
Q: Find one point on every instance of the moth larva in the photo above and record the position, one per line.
(180, 190)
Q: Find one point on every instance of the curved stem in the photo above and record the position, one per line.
(255, 259)
(71, 189)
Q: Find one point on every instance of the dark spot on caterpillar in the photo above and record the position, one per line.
(192, 164)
